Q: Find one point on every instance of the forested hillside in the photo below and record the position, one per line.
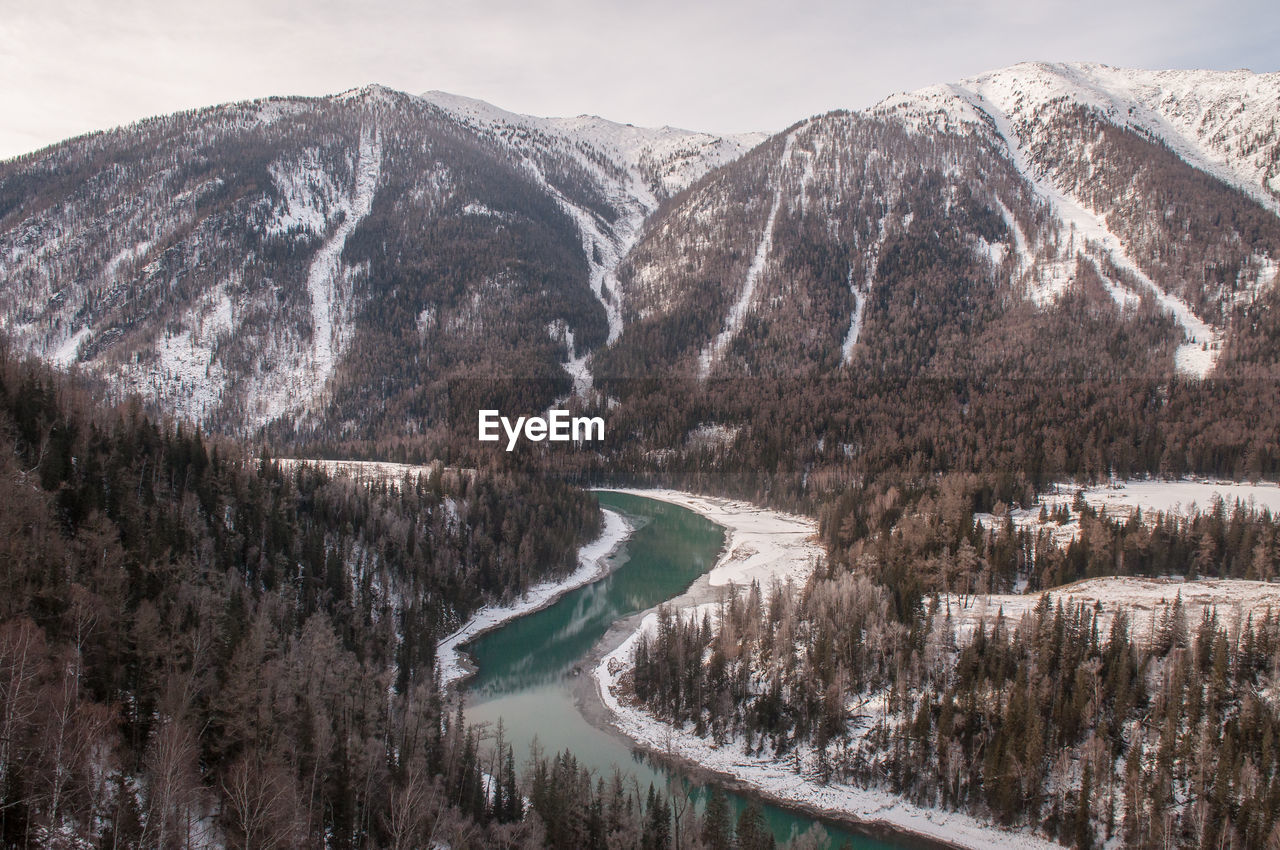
(328, 266)
(1050, 270)
(193, 643)
(1151, 734)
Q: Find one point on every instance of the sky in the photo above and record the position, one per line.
(72, 66)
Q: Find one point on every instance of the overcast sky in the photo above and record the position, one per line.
(69, 66)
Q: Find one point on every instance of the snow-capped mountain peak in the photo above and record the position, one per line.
(1221, 122)
(667, 159)
(232, 261)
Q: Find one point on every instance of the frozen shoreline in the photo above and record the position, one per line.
(761, 545)
(593, 562)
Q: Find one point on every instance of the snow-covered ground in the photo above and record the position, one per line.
(1121, 498)
(593, 562)
(781, 780)
(759, 545)
(186, 374)
(367, 471)
(67, 352)
(1181, 496)
(1147, 600)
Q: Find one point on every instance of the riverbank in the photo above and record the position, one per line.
(763, 545)
(759, 545)
(593, 563)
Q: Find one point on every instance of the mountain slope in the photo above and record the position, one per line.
(998, 276)
(1151, 187)
(331, 264)
(373, 267)
(634, 168)
(1105, 146)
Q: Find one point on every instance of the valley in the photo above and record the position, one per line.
(906, 476)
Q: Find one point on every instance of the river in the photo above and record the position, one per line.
(527, 668)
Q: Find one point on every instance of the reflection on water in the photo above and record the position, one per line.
(675, 546)
(526, 667)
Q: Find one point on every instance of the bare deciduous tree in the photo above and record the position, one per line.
(262, 808)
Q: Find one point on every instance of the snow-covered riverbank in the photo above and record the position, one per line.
(593, 562)
(781, 781)
(762, 545)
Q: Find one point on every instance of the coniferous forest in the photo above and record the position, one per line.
(910, 322)
(198, 644)
(193, 640)
(1155, 735)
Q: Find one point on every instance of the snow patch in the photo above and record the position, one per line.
(1148, 602)
(322, 279)
(69, 350)
(478, 209)
(308, 195)
(1120, 499)
(709, 435)
(855, 321)
(374, 471)
(738, 312)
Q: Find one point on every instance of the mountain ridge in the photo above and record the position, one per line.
(260, 286)
(1090, 158)
(310, 202)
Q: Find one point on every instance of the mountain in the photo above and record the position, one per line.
(330, 264)
(1011, 194)
(1076, 252)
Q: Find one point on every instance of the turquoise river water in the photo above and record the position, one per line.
(527, 668)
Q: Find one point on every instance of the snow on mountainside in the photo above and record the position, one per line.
(311, 258)
(1146, 195)
(636, 168)
(1222, 122)
(248, 263)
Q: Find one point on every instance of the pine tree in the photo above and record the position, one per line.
(717, 828)
(753, 831)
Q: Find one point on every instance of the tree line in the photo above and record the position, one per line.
(1087, 731)
(195, 642)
